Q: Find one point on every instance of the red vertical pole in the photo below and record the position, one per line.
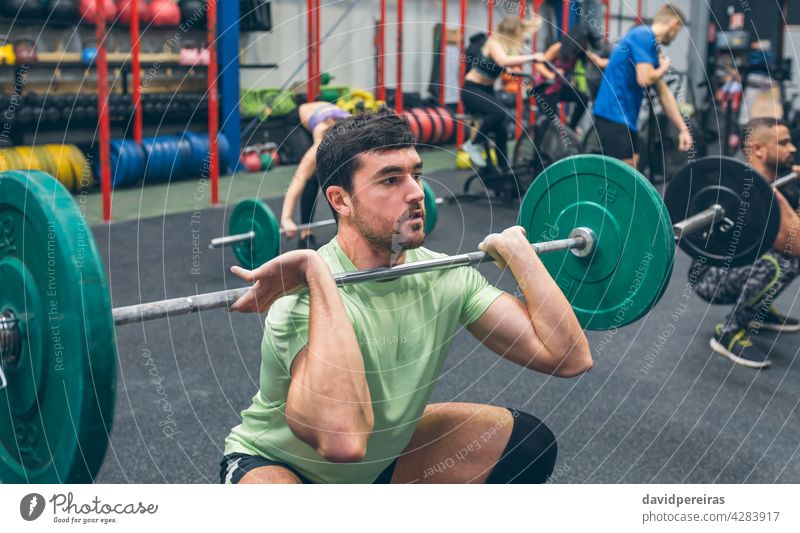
(381, 73)
(518, 121)
(310, 96)
(639, 12)
(461, 73)
(398, 93)
(318, 54)
(565, 30)
(137, 103)
(491, 15)
(213, 101)
(534, 46)
(443, 52)
(607, 23)
(104, 140)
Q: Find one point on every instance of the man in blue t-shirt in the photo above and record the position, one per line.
(637, 63)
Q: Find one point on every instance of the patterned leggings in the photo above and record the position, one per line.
(750, 289)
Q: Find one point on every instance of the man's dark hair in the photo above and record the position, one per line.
(337, 154)
(758, 123)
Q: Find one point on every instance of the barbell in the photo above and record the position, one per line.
(601, 229)
(255, 233)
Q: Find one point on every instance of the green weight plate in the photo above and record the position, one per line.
(431, 209)
(59, 404)
(254, 215)
(630, 267)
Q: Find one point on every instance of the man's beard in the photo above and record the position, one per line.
(394, 242)
(781, 168)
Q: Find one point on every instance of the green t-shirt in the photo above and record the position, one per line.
(404, 328)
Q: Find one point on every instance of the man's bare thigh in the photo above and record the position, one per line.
(455, 443)
(269, 475)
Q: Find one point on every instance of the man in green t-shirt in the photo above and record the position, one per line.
(346, 373)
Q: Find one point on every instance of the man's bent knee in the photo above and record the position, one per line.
(530, 455)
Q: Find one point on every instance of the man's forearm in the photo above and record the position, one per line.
(671, 106)
(291, 198)
(330, 397)
(551, 314)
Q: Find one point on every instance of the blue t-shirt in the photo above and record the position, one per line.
(620, 97)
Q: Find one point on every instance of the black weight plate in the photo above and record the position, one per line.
(752, 216)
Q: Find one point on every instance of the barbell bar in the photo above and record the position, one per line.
(581, 241)
(602, 230)
(708, 217)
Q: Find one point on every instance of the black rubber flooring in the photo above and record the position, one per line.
(658, 406)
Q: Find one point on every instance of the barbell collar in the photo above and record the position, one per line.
(10, 342)
(232, 239)
(699, 221)
(580, 239)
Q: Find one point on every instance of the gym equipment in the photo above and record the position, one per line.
(63, 161)
(268, 155)
(425, 124)
(448, 123)
(163, 158)
(7, 56)
(23, 8)
(413, 124)
(25, 51)
(164, 13)
(540, 146)
(357, 101)
(61, 10)
(192, 10)
(254, 231)
(168, 158)
(250, 159)
(124, 8)
(732, 203)
(88, 10)
(633, 239)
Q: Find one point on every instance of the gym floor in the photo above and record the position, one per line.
(658, 406)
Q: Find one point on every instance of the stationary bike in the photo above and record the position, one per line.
(539, 146)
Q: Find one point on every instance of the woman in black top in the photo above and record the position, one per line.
(503, 49)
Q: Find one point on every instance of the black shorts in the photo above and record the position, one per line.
(616, 140)
(235, 465)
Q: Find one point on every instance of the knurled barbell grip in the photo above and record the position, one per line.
(581, 239)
